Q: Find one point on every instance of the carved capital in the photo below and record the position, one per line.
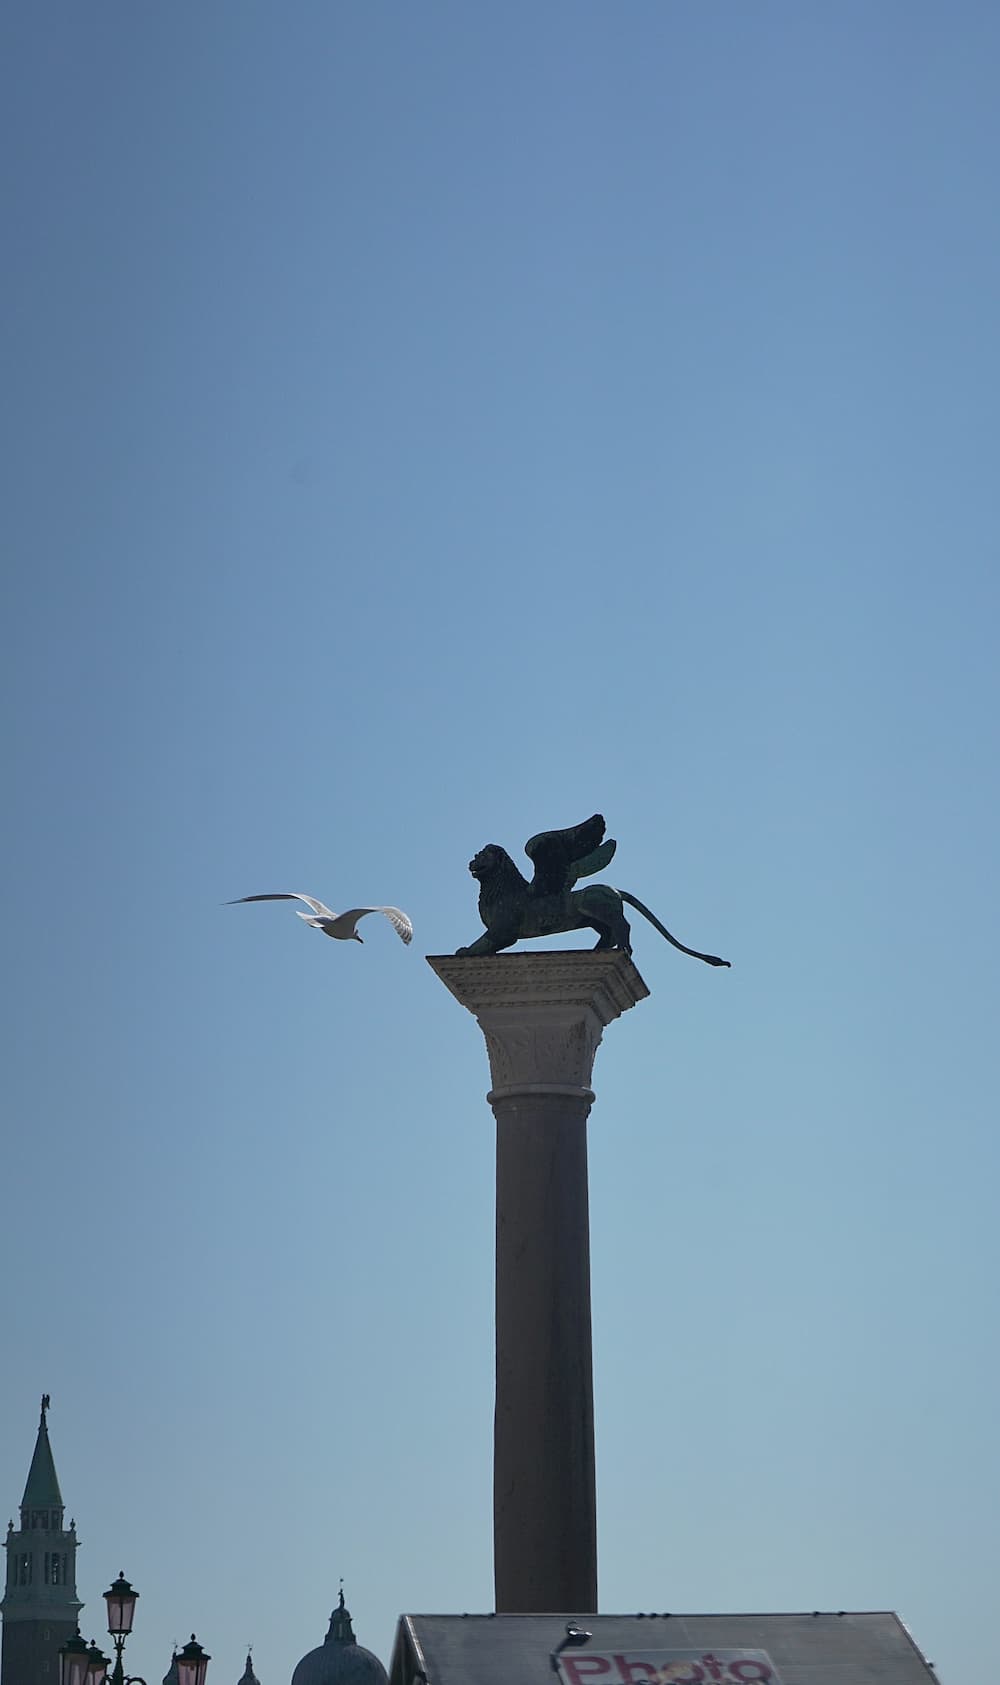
(542, 1014)
(541, 1049)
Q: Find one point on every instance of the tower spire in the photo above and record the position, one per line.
(41, 1490)
(40, 1606)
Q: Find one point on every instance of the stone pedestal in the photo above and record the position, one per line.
(543, 1015)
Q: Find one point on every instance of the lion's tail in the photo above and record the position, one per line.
(710, 959)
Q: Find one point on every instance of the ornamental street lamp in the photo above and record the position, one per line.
(192, 1664)
(121, 1601)
(97, 1665)
(83, 1664)
(73, 1662)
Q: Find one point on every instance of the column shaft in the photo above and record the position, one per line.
(542, 1016)
(544, 1516)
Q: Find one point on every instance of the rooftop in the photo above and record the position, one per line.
(842, 1648)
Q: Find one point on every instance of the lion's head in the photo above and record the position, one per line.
(503, 892)
(497, 874)
(493, 862)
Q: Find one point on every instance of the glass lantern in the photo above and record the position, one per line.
(192, 1664)
(121, 1601)
(73, 1661)
(97, 1666)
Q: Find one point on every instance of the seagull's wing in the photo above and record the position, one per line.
(310, 901)
(401, 924)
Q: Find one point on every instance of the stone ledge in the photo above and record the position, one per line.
(605, 981)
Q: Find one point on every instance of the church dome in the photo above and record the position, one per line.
(341, 1660)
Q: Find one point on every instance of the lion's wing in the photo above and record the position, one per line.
(556, 855)
(593, 862)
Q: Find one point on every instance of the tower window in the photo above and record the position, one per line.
(24, 1568)
(56, 1566)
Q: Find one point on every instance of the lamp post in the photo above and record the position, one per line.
(121, 1600)
(83, 1664)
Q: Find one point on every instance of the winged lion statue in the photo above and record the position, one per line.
(514, 910)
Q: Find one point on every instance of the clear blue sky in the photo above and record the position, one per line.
(423, 425)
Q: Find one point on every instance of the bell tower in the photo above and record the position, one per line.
(40, 1607)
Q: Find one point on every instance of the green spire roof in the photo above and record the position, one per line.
(42, 1488)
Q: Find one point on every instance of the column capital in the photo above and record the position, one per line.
(542, 1014)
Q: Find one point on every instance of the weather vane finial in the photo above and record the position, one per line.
(45, 1405)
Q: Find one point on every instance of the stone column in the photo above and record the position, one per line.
(543, 1015)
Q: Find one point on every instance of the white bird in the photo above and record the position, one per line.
(339, 925)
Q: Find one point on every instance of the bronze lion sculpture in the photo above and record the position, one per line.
(514, 910)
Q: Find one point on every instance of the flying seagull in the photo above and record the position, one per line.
(340, 925)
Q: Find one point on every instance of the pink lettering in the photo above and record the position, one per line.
(760, 1670)
(712, 1666)
(578, 1669)
(630, 1671)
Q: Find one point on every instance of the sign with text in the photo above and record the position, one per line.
(667, 1667)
